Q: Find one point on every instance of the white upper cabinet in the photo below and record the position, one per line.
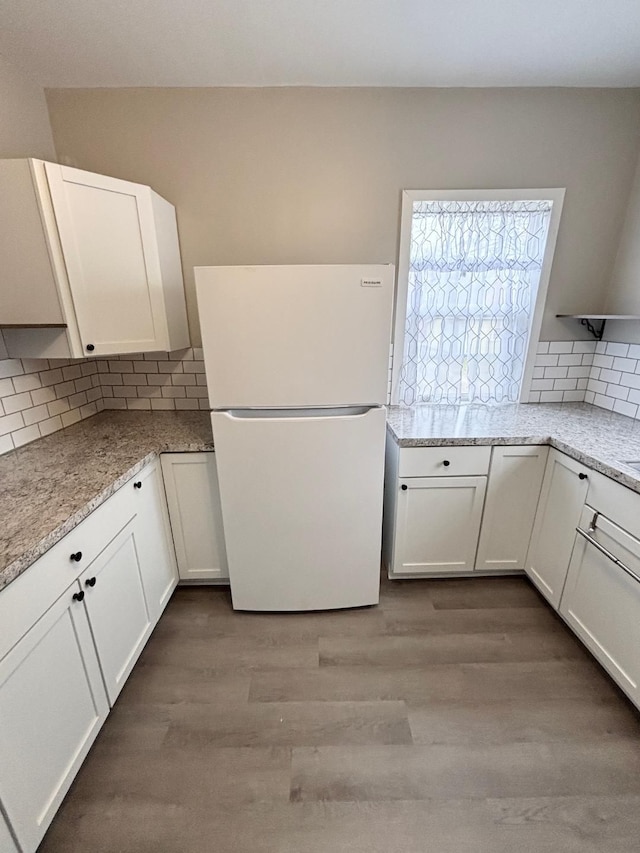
(92, 264)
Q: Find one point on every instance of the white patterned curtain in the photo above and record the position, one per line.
(473, 276)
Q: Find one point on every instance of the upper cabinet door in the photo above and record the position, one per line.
(108, 237)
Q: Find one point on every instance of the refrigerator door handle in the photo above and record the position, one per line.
(289, 414)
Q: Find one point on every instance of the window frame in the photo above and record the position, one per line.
(555, 195)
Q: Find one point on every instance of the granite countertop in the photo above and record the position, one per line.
(49, 486)
(596, 437)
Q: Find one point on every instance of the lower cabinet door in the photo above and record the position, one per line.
(515, 478)
(193, 497)
(115, 601)
(564, 490)
(437, 524)
(52, 705)
(601, 602)
(157, 556)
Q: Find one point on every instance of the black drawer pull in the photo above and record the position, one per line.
(78, 596)
(404, 487)
(137, 484)
(76, 557)
(90, 582)
(582, 476)
(90, 347)
(446, 463)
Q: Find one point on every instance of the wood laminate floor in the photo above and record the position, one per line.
(459, 716)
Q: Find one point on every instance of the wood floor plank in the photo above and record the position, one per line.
(479, 593)
(433, 684)
(429, 649)
(459, 771)
(518, 721)
(519, 620)
(288, 724)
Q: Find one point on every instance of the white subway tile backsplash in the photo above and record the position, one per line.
(542, 347)
(546, 361)
(584, 346)
(555, 372)
(634, 351)
(570, 360)
(617, 391)
(589, 397)
(551, 396)
(604, 402)
(625, 408)
(630, 380)
(628, 364)
(617, 349)
(561, 346)
(603, 361)
(565, 385)
(610, 375)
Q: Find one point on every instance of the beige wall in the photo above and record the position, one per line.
(624, 287)
(315, 175)
(24, 121)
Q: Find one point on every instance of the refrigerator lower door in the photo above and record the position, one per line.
(302, 506)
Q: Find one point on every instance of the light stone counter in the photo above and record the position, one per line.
(48, 487)
(596, 437)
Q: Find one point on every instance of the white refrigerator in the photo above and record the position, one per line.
(297, 365)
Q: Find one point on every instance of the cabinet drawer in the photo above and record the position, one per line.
(24, 601)
(615, 501)
(444, 461)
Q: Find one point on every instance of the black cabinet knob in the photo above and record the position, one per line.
(78, 596)
(90, 582)
(582, 476)
(404, 487)
(76, 557)
(90, 347)
(446, 463)
(137, 484)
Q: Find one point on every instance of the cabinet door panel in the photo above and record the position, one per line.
(52, 704)
(106, 229)
(193, 496)
(437, 524)
(117, 607)
(515, 478)
(156, 555)
(602, 603)
(562, 498)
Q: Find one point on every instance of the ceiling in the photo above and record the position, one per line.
(324, 42)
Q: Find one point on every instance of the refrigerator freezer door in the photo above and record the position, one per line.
(295, 336)
(302, 507)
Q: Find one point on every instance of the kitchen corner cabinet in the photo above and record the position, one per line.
(73, 625)
(193, 498)
(515, 478)
(91, 264)
(562, 497)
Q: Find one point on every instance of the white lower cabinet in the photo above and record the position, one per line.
(601, 601)
(515, 477)
(562, 498)
(437, 524)
(52, 705)
(115, 601)
(73, 626)
(193, 498)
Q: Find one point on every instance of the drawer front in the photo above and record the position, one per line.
(615, 501)
(24, 601)
(444, 461)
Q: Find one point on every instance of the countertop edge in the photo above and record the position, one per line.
(28, 558)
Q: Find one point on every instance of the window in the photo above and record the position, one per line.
(473, 274)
